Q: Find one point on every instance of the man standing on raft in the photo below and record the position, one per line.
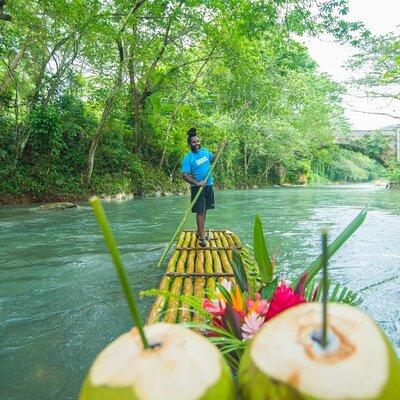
(195, 167)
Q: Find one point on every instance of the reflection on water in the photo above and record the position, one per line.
(61, 303)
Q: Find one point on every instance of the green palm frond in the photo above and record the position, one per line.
(338, 293)
(193, 302)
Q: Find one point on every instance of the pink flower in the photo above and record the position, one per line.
(252, 324)
(284, 297)
(215, 307)
(259, 306)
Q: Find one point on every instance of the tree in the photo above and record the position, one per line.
(379, 65)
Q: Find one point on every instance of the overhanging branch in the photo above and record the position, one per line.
(376, 113)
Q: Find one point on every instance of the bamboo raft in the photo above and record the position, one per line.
(193, 270)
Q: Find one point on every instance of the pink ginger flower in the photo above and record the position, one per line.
(252, 324)
(215, 307)
(284, 297)
(259, 306)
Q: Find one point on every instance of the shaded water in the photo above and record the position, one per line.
(60, 302)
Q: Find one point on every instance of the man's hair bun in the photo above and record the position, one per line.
(191, 132)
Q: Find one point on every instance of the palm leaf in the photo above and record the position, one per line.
(268, 290)
(337, 293)
(239, 271)
(261, 255)
(224, 292)
(232, 321)
(192, 301)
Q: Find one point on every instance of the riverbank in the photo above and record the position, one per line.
(177, 188)
(74, 198)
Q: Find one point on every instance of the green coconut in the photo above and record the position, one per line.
(285, 360)
(180, 365)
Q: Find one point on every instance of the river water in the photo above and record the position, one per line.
(60, 302)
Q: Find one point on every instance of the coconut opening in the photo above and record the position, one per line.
(354, 365)
(154, 345)
(332, 342)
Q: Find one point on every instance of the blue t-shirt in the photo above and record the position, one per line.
(198, 164)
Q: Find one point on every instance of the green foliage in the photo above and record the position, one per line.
(239, 271)
(335, 164)
(261, 254)
(128, 79)
(376, 143)
(337, 293)
(394, 175)
(307, 278)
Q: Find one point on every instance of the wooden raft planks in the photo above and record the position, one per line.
(190, 271)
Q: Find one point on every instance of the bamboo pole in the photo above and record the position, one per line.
(236, 239)
(199, 283)
(207, 230)
(226, 265)
(159, 304)
(216, 260)
(191, 205)
(184, 312)
(173, 302)
(225, 244)
(231, 242)
(210, 270)
(207, 248)
(194, 274)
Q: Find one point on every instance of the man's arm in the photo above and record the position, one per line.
(189, 179)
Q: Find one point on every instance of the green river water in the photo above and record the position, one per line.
(60, 301)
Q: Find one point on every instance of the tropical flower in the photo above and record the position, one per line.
(215, 307)
(252, 324)
(257, 305)
(238, 302)
(283, 298)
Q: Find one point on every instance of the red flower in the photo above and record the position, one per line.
(217, 322)
(215, 307)
(283, 298)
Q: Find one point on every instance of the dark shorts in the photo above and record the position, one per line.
(205, 200)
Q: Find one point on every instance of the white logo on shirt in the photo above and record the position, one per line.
(201, 160)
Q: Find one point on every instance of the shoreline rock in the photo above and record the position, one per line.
(57, 206)
(118, 197)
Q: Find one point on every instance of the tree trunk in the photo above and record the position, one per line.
(137, 103)
(12, 67)
(246, 162)
(104, 116)
(24, 134)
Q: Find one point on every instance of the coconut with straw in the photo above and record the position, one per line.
(292, 358)
(160, 361)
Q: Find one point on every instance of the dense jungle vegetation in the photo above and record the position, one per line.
(96, 96)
